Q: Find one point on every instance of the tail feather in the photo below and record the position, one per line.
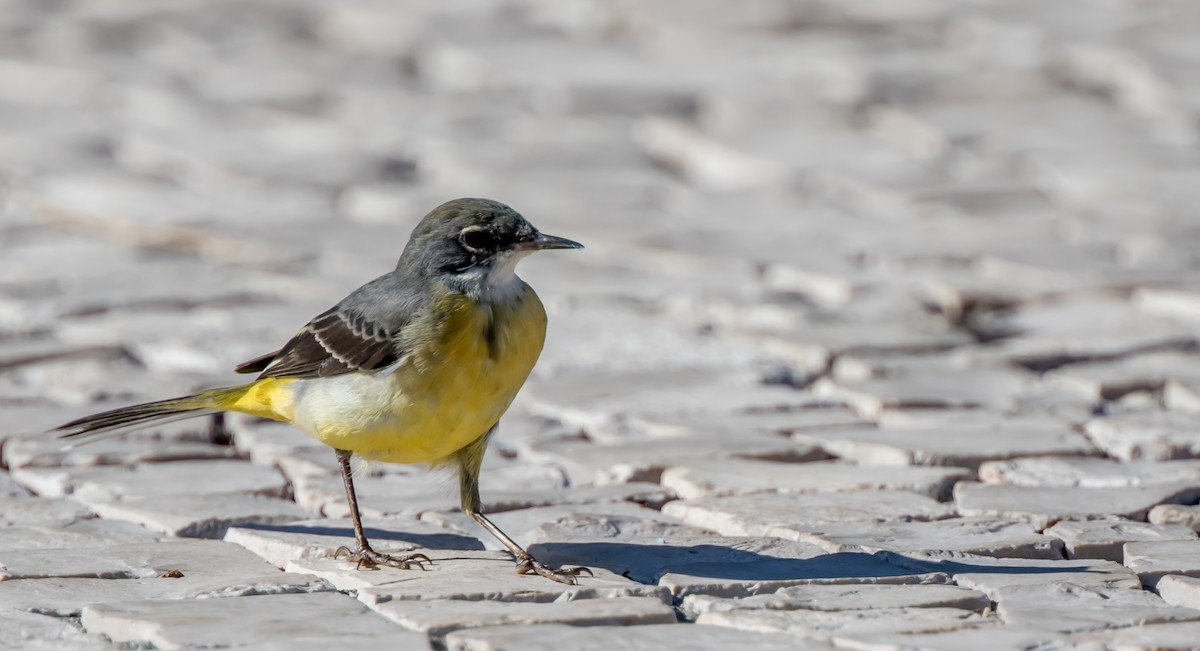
(145, 415)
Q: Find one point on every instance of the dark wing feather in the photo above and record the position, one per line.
(336, 342)
(258, 364)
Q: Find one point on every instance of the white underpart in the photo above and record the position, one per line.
(498, 281)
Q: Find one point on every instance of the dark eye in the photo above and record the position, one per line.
(476, 239)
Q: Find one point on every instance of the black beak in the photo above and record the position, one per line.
(542, 242)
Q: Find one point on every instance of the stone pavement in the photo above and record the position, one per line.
(887, 335)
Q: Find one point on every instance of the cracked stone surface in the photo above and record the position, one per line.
(886, 335)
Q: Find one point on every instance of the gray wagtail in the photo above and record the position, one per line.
(416, 366)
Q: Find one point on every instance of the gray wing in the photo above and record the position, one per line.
(362, 333)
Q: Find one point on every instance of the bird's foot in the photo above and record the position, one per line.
(367, 557)
(567, 575)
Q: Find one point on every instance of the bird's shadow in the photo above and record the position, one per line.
(647, 563)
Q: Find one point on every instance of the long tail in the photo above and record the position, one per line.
(148, 414)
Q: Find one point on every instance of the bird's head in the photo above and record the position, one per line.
(477, 240)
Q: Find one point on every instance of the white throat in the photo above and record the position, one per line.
(498, 282)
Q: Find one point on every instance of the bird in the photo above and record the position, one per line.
(415, 367)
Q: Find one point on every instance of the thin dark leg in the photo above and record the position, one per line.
(365, 556)
(469, 460)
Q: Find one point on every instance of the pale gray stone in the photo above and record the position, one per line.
(988, 575)
(1067, 607)
(1105, 539)
(601, 519)
(467, 575)
(736, 476)
(108, 483)
(437, 617)
(645, 460)
(1155, 636)
(1088, 472)
(66, 597)
(845, 597)
(966, 445)
(282, 543)
(825, 624)
(552, 637)
(47, 451)
(1182, 395)
(795, 515)
(970, 535)
(1154, 560)
(41, 512)
(1180, 590)
(10, 488)
(39, 632)
(1042, 505)
(198, 516)
(323, 617)
(1166, 514)
(769, 575)
(995, 388)
(1153, 435)
(819, 414)
(87, 533)
(129, 561)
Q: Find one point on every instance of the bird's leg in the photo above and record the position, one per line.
(469, 461)
(364, 555)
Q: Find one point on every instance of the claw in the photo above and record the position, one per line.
(367, 557)
(567, 575)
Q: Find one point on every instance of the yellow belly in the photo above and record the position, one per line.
(463, 370)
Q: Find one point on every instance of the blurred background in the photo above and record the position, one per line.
(896, 205)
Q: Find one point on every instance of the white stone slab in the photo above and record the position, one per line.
(1067, 607)
(1152, 435)
(49, 451)
(1154, 560)
(996, 637)
(437, 617)
(645, 459)
(66, 597)
(652, 637)
(127, 561)
(325, 618)
(1180, 590)
(963, 445)
(1043, 505)
(794, 515)
(824, 624)
(845, 597)
(971, 535)
(9, 488)
(1186, 515)
(292, 541)
(1104, 539)
(41, 512)
(988, 575)
(470, 576)
(737, 476)
(38, 632)
(198, 516)
(1088, 472)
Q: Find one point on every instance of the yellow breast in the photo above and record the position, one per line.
(465, 363)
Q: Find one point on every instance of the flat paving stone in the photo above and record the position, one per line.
(826, 624)
(645, 460)
(1153, 436)
(1043, 505)
(1087, 472)
(1067, 607)
(315, 619)
(198, 516)
(66, 597)
(551, 637)
(132, 561)
(1154, 560)
(993, 637)
(845, 597)
(736, 476)
(47, 451)
(108, 483)
(1167, 514)
(989, 575)
(437, 617)
(795, 515)
(26, 511)
(1180, 590)
(469, 576)
(965, 446)
(280, 544)
(38, 632)
(971, 535)
(1105, 539)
